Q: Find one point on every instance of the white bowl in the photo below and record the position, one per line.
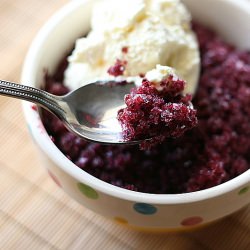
(231, 19)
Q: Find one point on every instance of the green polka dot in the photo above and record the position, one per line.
(145, 209)
(88, 191)
(244, 190)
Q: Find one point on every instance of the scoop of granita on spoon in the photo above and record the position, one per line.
(157, 109)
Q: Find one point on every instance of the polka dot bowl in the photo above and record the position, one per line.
(137, 210)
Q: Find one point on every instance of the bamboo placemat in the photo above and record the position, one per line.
(34, 212)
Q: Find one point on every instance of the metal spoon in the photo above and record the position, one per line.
(90, 111)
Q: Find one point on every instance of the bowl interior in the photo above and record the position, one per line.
(72, 21)
(229, 18)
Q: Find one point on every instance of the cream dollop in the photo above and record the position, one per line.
(144, 33)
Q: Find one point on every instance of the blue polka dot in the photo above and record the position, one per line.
(144, 208)
(31, 133)
(29, 128)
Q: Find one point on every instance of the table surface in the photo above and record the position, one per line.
(34, 212)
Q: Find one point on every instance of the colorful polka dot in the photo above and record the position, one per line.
(34, 107)
(144, 208)
(41, 127)
(55, 179)
(192, 221)
(244, 190)
(120, 220)
(30, 131)
(88, 191)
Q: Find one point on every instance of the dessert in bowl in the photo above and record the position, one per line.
(144, 201)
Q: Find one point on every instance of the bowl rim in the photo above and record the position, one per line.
(50, 149)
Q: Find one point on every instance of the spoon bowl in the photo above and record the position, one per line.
(89, 111)
(92, 111)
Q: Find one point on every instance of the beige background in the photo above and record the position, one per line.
(34, 212)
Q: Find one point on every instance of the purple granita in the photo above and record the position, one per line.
(157, 115)
(215, 151)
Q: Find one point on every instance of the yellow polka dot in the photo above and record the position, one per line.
(120, 220)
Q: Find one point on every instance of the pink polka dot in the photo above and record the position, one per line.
(54, 178)
(192, 221)
(41, 127)
(34, 107)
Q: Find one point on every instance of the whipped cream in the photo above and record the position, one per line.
(144, 33)
(155, 76)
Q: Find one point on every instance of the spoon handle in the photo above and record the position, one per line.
(33, 95)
